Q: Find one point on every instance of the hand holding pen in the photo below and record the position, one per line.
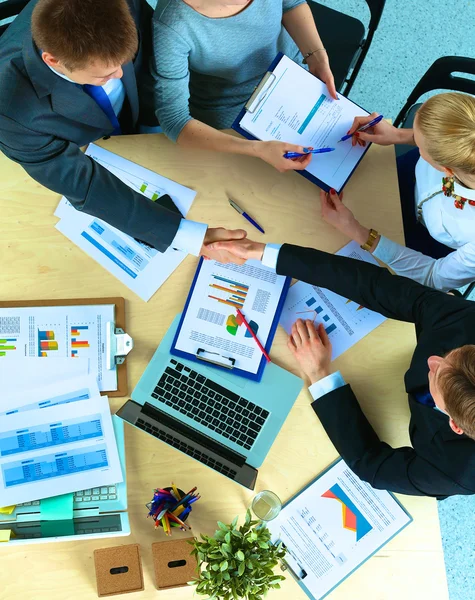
(308, 151)
(372, 128)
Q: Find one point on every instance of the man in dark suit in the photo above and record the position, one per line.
(72, 72)
(440, 381)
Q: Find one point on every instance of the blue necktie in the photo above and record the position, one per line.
(425, 397)
(98, 94)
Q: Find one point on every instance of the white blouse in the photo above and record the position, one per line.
(448, 225)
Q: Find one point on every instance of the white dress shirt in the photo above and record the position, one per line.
(448, 225)
(190, 235)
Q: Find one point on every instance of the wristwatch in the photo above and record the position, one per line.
(373, 234)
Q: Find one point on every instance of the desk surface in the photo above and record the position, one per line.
(38, 262)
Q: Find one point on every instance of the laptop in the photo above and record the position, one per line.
(224, 421)
(97, 512)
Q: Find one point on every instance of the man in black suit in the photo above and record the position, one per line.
(72, 72)
(440, 381)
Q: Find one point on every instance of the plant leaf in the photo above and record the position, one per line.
(241, 569)
(240, 555)
(223, 566)
(222, 526)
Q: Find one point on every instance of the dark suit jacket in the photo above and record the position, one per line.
(44, 120)
(440, 462)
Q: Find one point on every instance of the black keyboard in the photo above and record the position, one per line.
(210, 404)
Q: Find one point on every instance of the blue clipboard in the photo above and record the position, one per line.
(252, 376)
(295, 576)
(261, 88)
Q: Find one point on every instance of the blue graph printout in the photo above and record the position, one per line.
(49, 466)
(50, 435)
(83, 394)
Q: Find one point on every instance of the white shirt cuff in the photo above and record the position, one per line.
(189, 237)
(326, 385)
(270, 256)
(386, 250)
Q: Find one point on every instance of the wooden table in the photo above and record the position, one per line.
(38, 262)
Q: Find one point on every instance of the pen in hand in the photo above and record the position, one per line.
(307, 151)
(362, 128)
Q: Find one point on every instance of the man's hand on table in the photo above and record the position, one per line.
(242, 249)
(311, 349)
(224, 255)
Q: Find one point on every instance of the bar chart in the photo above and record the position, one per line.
(7, 345)
(47, 342)
(313, 313)
(78, 342)
(228, 292)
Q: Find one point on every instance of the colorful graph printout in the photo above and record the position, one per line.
(7, 345)
(351, 516)
(227, 291)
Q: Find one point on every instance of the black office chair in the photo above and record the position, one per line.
(345, 41)
(8, 9)
(439, 76)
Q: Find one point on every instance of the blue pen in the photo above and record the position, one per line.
(362, 128)
(245, 215)
(308, 151)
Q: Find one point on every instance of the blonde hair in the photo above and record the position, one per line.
(447, 122)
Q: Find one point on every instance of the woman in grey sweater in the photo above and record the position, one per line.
(209, 55)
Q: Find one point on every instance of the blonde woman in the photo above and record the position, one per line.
(437, 186)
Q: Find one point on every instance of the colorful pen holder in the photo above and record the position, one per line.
(170, 508)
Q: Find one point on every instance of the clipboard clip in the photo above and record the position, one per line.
(260, 93)
(118, 345)
(215, 358)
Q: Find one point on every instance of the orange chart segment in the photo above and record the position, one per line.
(228, 292)
(352, 518)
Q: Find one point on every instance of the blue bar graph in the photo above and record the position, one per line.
(311, 114)
(49, 466)
(82, 394)
(330, 328)
(310, 302)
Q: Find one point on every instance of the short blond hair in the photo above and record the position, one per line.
(447, 122)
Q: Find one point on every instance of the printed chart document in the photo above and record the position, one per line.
(51, 332)
(141, 268)
(346, 322)
(57, 450)
(297, 108)
(62, 391)
(335, 525)
(211, 321)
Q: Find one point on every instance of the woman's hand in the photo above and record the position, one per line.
(273, 153)
(319, 65)
(335, 213)
(382, 134)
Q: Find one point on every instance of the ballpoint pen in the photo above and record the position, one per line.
(245, 215)
(362, 128)
(307, 151)
(253, 335)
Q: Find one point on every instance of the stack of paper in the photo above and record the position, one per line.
(55, 438)
(140, 267)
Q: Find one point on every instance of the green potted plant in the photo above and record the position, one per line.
(237, 563)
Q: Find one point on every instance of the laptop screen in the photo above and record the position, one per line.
(80, 526)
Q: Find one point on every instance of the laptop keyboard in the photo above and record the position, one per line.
(90, 495)
(186, 448)
(210, 404)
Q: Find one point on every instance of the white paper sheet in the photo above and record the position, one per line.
(345, 322)
(335, 525)
(33, 397)
(211, 320)
(51, 332)
(298, 109)
(140, 267)
(57, 450)
(17, 375)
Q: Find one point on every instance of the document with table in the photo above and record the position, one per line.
(294, 106)
(334, 525)
(141, 268)
(345, 321)
(55, 441)
(210, 321)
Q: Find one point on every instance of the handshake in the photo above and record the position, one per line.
(230, 246)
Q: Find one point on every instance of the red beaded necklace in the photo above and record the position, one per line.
(448, 189)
